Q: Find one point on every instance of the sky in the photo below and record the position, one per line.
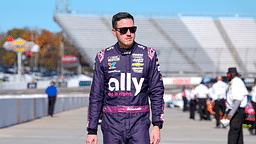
(38, 14)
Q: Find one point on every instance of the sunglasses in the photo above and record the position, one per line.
(125, 29)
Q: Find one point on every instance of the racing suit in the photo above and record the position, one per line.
(123, 82)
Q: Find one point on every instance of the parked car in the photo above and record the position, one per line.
(174, 100)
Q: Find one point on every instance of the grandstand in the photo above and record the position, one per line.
(186, 45)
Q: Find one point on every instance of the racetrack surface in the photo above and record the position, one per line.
(69, 127)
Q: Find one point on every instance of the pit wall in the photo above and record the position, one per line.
(23, 108)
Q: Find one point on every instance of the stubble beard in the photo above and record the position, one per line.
(125, 43)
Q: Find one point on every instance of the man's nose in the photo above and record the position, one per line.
(128, 32)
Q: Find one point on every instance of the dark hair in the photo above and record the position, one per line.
(184, 87)
(52, 82)
(121, 15)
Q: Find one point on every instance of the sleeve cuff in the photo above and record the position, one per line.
(92, 132)
(159, 124)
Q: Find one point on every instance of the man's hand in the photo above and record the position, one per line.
(229, 117)
(91, 138)
(225, 116)
(155, 135)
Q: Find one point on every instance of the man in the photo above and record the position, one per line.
(192, 103)
(236, 103)
(52, 93)
(125, 75)
(185, 94)
(253, 101)
(201, 94)
(219, 91)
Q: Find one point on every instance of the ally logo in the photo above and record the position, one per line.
(121, 84)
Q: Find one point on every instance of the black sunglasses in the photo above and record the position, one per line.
(124, 30)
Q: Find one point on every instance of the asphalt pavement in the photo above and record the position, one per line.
(69, 127)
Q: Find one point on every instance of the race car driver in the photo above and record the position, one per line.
(126, 76)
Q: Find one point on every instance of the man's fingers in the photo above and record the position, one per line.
(151, 139)
(156, 141)
(91, 138)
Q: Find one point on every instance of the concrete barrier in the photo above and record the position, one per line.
(23, 108)
(8, 112)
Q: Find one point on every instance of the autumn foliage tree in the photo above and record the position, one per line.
(49, 55)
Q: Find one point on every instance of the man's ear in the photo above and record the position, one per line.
(114, 32)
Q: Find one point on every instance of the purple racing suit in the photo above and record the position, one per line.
(123, 83)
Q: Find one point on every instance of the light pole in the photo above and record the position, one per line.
(35, 49)
(246, 55)
(219, 53)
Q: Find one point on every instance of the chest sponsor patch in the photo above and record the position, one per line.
(138, 60)
(112, 65)
(138, 64)
(113, 58)
(137, 69)
(114, 71)
(125, 85)
(137, 56)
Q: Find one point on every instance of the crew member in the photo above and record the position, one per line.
(185, 93)
(219, 91)
(253, 101)
(201, 94)
(236, 103)
(192, 103)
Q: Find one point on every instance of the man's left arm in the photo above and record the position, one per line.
(239, 90)
(56, 92)
(156, 91)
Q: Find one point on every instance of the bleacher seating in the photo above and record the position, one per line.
(242, 33)
(183, 37)
(88, 33)
(198, 37)
(207, 35)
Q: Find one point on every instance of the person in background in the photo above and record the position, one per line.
(253, 102)
(219, 91)
(236, 103)
(201, 94)
(192, 103)
(185, 93)
(210, 102)
(52, 93)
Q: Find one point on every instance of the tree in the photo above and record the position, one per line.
(50, 47)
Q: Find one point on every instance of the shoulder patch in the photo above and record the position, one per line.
(151, 52)
(101, 55)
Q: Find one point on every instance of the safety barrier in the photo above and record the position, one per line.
(23, 108)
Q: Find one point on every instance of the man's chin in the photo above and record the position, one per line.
(129, 44)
